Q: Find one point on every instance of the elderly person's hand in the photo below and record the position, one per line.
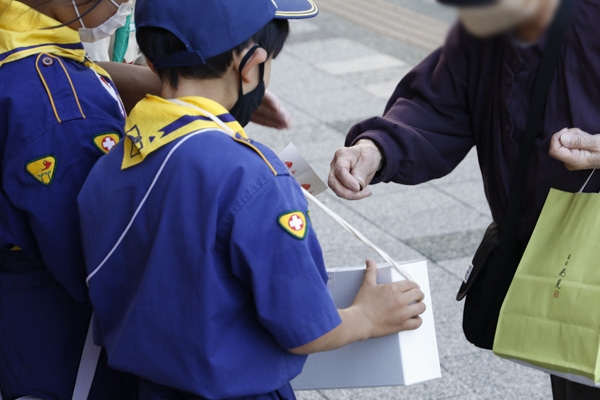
(352, 168)
(577, 149)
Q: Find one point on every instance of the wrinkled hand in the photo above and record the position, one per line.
(270, 113)
(391, 307)
(576, 148)
(352, 168)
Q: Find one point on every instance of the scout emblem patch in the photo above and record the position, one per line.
(294, 223)
(42, 169)
(106, 141)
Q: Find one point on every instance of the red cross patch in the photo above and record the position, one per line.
(106, 141)
(294, 223)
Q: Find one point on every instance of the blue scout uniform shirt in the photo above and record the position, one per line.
(203, 265)
(58, 115)
(474, 92)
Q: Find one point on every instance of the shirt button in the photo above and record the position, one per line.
(508, 80)
(507, 128)
(47, 61)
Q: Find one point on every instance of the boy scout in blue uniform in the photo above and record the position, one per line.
(206, 276)
(59, 114)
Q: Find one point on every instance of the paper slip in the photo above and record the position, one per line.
(301, 170)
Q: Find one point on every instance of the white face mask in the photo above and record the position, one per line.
(108, 27)
(502, 16)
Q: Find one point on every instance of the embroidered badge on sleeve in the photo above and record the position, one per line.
(106, 141)
(42, 169)
(294, 223)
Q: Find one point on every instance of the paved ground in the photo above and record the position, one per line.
(336, 70)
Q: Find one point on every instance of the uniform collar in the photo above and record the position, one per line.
(155, 122)
(25, 31)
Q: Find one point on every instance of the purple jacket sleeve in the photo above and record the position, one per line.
(425, 130)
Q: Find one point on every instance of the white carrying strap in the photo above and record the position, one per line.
(313, 199)
(357, 234)
(586, 181)
(87, 366)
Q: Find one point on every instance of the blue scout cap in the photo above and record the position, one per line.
(211, 27)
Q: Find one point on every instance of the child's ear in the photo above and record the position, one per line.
(258, 57)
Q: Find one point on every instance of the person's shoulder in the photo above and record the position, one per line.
(219, 150)
(17, 81)
(46, 84)
(581, 46)
(584, 23)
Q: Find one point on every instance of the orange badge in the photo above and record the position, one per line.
(294, 223)
(106, 141)
(42, 169)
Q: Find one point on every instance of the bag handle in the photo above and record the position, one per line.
(587, 181)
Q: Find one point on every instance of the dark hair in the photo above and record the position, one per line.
(160, 43)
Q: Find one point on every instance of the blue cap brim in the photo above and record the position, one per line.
(295, 9)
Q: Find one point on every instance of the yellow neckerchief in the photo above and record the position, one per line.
(155, 122)
(24, 32)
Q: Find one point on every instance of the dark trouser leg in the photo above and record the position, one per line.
(42, 331)
(563, 389)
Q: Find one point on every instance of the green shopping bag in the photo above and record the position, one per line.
(550, 318)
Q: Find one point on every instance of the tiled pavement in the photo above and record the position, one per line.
(333, 73)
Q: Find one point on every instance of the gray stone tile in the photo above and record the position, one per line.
(299, 82)
(420, 212)
(458, 266)
(381, 89)
(309, 395)
(300, 27)
(314, 140)
(345, 125)
(336, 26)
(447, 313)
(390, 76)
(444, 286)
(469, 193)
(451, 340)
(466, 170)
(345, 103)
(443, 388)
(330, 49)
(362, 65)
(429, 7)
(448, 246)
(492, 377)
